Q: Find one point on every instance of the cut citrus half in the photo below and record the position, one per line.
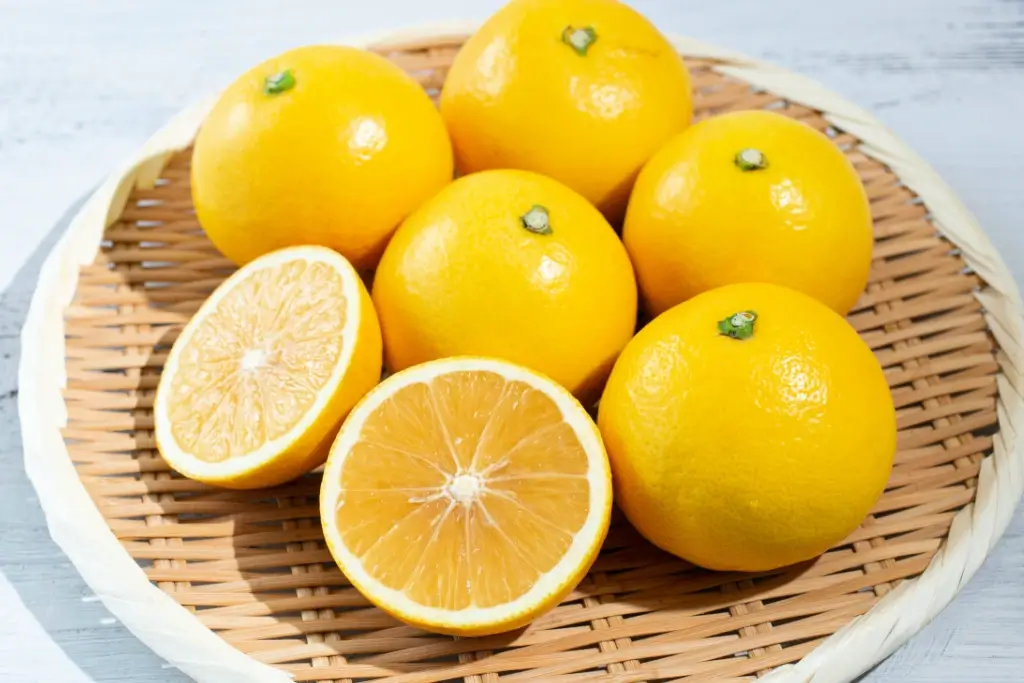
(466, 496)
(256, 386)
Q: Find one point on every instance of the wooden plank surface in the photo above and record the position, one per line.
(83, 84)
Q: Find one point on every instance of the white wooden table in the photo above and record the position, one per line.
(83, 84)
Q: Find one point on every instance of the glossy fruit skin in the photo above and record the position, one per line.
(517, 96)
(463, 276)
(337, 160)
(749, 454)
(696, 221)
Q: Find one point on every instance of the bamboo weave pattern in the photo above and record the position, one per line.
(252, 566)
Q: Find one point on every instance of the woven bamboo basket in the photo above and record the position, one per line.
(238, 586)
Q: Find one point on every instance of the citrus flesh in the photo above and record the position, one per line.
(258, 381)
(466, 496)
(748, 428)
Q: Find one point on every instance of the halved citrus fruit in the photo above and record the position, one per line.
(256, 386)
(466, 496)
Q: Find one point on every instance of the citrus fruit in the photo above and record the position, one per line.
(751, 196)
(255, 387)
(513, 265)
(466, 496)
(583, 91)
(748, 428)
(325, 145)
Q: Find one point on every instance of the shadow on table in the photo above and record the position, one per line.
(38, 570)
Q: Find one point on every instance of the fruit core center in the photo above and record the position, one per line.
(253, 359)
(465, 488)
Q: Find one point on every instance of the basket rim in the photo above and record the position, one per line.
(171, 631)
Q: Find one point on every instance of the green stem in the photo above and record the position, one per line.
(537, 220)
(279, 82)
(579, 39)
(751, 159)
(738, 325)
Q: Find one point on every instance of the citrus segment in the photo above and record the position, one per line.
(261, 376)
(466, 496)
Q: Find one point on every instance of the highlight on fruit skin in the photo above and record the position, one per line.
(257, 383)
(748, 428)
(508, 264)
(323, 144)
(749, 196)
(466, 496)
(583, 91)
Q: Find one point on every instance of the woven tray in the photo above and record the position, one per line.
(236, 586)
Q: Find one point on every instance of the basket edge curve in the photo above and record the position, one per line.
(195, 650)
(977, 527)
(153, 616)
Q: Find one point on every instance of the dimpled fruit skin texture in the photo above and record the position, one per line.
(462, 276)
(338, 160)
(517, 96)
(748, 455)
(696, 221)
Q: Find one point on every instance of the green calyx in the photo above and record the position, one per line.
(738, 325)
(279, 82)
(751, 159)
(579, 39)
(537, 220)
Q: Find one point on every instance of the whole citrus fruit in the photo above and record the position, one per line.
(324, 145)
(512, 265)
(748, 429)
(750, 196)
(583, 91)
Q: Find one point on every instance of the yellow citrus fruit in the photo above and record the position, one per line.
(513, 265)
(583, 91)
(750, 196)
(748, 428)
(466, 496)
(256, 386)
(325, 145)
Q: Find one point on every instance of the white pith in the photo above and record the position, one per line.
(187, 463)
(463, 488)
(253, 359)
